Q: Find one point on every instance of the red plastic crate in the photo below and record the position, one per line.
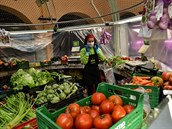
(31, 124)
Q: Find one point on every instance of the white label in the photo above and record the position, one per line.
(170, 10)
(132, 97)
(159, 10)
(75, 49)
(121, 126)
(143, 48)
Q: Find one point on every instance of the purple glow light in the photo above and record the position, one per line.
(168, 44)
(136, 45)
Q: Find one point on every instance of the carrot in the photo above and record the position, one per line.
(150, 84)
(144, 82)
(145, 77)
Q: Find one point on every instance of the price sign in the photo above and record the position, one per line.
(143, 48)
(75, 43)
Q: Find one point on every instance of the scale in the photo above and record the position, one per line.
(130, 65)
(75, 56)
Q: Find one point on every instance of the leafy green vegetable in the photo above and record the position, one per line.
(18, 108)
(22, 78)
(31, 78)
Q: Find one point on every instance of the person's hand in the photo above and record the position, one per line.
(87, 49)
(96, 47)
(108, 62)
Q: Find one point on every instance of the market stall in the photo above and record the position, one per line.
(41, 76)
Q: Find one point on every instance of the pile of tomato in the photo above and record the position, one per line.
(102, 114)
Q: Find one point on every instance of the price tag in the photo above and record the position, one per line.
(143, 48)
(170, 10)
(159, 10)
(75, 49)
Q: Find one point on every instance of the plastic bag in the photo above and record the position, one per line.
(146, 104)
(109, 74)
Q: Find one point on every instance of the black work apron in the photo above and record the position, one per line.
(92, 73)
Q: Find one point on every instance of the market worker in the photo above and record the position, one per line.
(90, 56)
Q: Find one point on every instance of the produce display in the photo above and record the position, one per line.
(118, 62)
(33, 78)
(16, 109)
(56, 92)
(109, 111)
(167, 77)
(30, 78)
(146, 81)
(164, 81)
(64, 59)
(164, 21)
(104, 109)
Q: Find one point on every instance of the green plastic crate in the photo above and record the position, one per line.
(23, 65)
(46, 63)
(133, 120)
(153, 96)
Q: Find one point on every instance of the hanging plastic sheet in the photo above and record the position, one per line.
(161, 50)
(63, 41)
(29, 42)
(30, 46)
(33, 46)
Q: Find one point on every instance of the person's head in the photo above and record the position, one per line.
(90, 40)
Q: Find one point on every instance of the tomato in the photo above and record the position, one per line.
(65, 121)
(118, 113)
(106, 107)
(97, 98)
(85, 109)
(116, 99)
(83, 121)
(73, 109)
(94, 113)
(128, 108)
(96, 107)
(103, 122)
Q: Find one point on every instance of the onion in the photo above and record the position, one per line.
(167, 1)
(170, 25)
(163, 26)
(165, 10)
(152, 14)
(153, 19)
(150, 24)
(165, 17)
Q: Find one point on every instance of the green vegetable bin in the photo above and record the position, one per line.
(44, 64)
(153, 95)
(133, 120)
(23, 65)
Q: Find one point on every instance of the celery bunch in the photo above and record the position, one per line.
(17, 109)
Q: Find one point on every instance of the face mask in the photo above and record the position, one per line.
(90, 44)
